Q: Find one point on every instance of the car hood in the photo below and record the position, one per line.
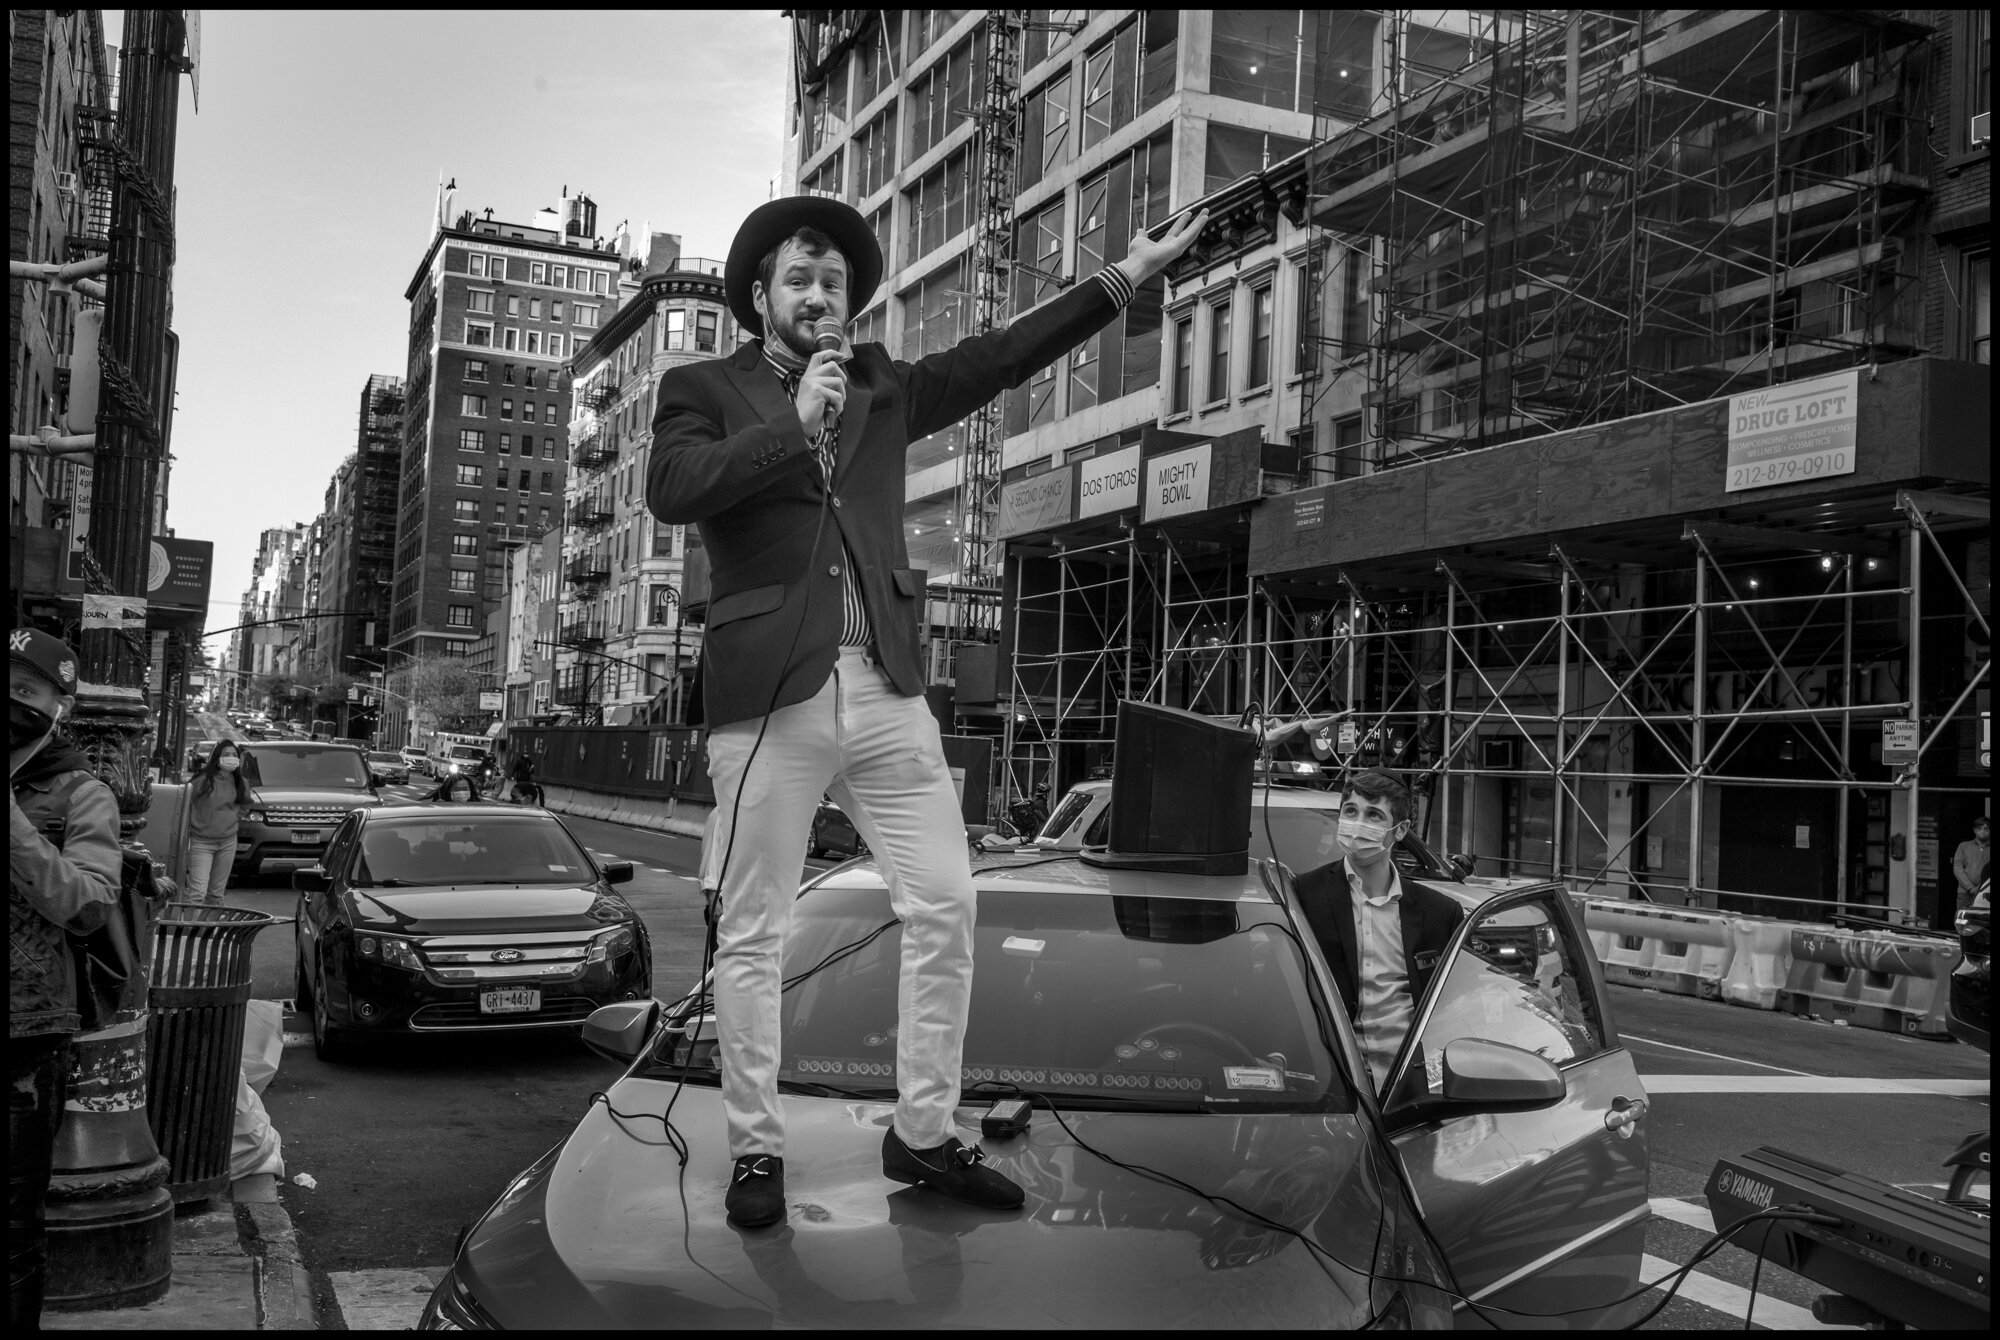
(312, 795)
(487, 907)
(595, 1235)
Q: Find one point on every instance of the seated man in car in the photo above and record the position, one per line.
(1382, 934)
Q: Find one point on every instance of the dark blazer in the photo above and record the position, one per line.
(730, 457)
(1428, 916)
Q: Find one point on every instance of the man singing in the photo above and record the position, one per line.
(788, 454)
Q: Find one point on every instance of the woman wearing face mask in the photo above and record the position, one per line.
(456, 788)
(217, 800)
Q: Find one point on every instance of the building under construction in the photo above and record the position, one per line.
(1587, 404)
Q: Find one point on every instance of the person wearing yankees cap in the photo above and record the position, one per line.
(788, 456)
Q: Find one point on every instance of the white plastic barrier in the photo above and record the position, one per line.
(1682, 951)
(1763, 960)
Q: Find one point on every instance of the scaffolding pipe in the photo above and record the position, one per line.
(1914, 531)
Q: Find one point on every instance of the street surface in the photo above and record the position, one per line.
(412, 1142)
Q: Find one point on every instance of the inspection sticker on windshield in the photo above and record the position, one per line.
(1023, 946)
(1253, 1077)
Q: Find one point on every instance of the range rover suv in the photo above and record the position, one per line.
(301, 791)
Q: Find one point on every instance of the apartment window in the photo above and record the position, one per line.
(465, 509)
(940, 205)
(676, 330)
(1183, 366)
(1045, 130)
(458, 616)
(513, 305)
(548, 480)
(548, 448)
(585, 314)
(534, 342)
(1350, 446)
(556, 343)
(538, 272)
(1218, 352)
(475, 264)
(704, 332)
(1260, 338)
(559, 276)
(600, 281)
(663, 540)
(472, 439)
(875, 148)
(465, 546)
(510, 338)
(549, 412)
(535, 307)
(953, 86)
(472, 406)
(507, 374)
(462, 579)
(479, 333)
(1353, 302)
(499, 512)
(479, 300)
(555, 310)
(475, 370)
(542, 517)
(468, 475)
(1234, 152)
(506, 409)
(1976, 326)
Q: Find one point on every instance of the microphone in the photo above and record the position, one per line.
(829, 334)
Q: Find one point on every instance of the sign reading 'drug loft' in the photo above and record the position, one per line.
(1798, 431)
(1177, 483)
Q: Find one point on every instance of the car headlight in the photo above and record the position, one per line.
(452, 1308)
(611, 942)
(254, 816)
(392, 950)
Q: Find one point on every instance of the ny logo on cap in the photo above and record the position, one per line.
(17, 640)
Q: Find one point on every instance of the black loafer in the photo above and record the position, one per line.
(950, 1169)
(756, 1191)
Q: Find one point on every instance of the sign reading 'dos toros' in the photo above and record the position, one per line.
(1108, 483)
(1177, 483)
(1791, 433)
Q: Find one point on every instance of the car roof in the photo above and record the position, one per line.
(459, 808)
(1283, 795)
(1028, 872)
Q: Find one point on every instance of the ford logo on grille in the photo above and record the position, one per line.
(508, 956)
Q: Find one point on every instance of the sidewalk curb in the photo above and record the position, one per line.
(284, 1288)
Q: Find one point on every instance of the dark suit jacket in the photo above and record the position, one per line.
(730, 457)
(1428, 917)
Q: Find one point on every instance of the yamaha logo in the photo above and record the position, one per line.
(508, 956)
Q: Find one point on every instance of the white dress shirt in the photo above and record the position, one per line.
(1386, 1006)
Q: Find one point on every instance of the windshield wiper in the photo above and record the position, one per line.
(813, 1090)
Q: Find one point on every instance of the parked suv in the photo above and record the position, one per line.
(301, 790)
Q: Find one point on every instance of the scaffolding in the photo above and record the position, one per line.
(1599, 214)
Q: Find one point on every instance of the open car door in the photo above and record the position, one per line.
(1541, 1211)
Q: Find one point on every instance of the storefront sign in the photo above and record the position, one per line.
(1309, 512)
(113, 612)
(1798, 431)
(491, 700)
(1108, 483)
(1177, 483)
(178, 572)
(1899, 743)
(1029, 505)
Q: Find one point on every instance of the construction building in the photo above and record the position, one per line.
(496, 310)
(627, 644)
(1588, 405)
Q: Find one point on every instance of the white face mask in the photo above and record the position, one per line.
(229, 763)
(1364, 840)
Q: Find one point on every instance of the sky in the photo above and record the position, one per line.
(307, 186)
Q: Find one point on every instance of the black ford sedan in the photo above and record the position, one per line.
(447, 918)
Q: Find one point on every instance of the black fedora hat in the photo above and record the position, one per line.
(774, 221)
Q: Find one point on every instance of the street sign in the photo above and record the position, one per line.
(1899, 743)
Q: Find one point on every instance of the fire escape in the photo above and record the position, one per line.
(587, 565)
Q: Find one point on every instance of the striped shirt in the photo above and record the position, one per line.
(855, 630)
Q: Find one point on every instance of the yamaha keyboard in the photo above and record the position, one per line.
(1908, 1257)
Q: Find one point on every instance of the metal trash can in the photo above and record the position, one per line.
(194, 1038)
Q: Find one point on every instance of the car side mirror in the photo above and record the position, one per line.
(618, 872)
(1464, 865)
(376, 779)
(619, 1032)
(1478, 1076)
(312, 880)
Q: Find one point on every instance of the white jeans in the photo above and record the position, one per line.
(879, 754)
(208, 864)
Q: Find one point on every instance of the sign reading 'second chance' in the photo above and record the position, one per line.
(1177, 483)
(1792, 433)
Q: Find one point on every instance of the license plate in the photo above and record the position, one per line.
(305, 835)
(520, 1001)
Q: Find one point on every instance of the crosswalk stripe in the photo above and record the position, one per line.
(1684, 1212)
(1734, 1300)
(1813, 1084)
(383, 1300)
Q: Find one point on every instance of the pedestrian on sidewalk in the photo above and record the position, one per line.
(216, 803)
(1969, 862)
(68, 884)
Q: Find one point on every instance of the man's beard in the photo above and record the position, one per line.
(788, 336)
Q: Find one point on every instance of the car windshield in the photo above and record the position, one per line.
(1109, 1002)
(441, 851)
(1308, 837)
(386, 758)
(466, 751)
(304, 765)
(1068, 810)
